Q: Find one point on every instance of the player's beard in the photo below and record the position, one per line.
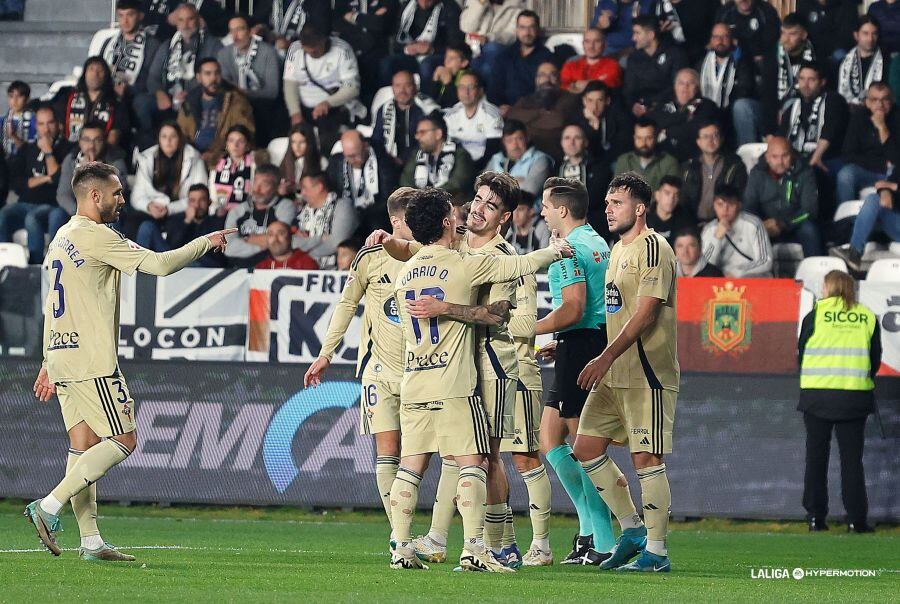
(623, 227)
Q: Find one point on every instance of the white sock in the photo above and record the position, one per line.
(437, 538)
(657, 547)
(633, 521)
(51, 505)
(542, 544)
(92, 542)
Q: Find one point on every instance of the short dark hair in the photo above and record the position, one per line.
(634, 184)
(317, 175)
(353, 243)
(243, 17)
(20, 87)
(464, 50)
(201, 62)
(813, 65)
(199, 187)
(270, 169)
(474, 74)
(94, 124)
(687, 232)
(729, 193)
(794, 20)
(513, 126)
(596, 86)
(437, 120)
(706, 124)
(646, 122)
(866, 20)
(92, 171)
(311, 35)
(242, 130)
(426, 212)
(399, 199)
(504, 186)
(672, 181)
(568, 192)
(647, 22)
(530, 14)
(130, 5)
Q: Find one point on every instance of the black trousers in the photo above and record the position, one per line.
(850, 438)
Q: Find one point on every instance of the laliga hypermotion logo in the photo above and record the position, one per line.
(277, 444)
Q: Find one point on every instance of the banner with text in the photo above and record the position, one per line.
(884, 300)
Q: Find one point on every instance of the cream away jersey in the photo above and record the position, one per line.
(496, 349)
(438, 362)
(81, 315)
(645, 267)
(373, 274)
(522, 322)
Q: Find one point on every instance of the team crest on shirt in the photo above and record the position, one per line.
(390, 310)
(726, 320)
(133, 245)
(613, 298)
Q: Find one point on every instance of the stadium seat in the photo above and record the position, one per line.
(863, 193)
(573, 39)
(787, 258)
(848, 209)
(812, 271)
(277, 148)
(750, 154)
(381, 97)
(894, 248)
(99, 38)
(886, 269)
(13, 254)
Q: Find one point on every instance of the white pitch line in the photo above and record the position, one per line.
(188, 548)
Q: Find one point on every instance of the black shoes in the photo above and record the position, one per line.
(816, 525)
(860, 527)
(580, 547)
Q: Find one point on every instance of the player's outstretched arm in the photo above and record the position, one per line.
(43, 388)
(428, 307)
(498, 269)
(166, 263)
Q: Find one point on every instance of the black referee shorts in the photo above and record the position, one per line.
(573, 351)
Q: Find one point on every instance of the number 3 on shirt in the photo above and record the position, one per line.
(58, 310)
(436, 292)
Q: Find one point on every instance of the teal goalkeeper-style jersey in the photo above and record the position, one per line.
(588, 266)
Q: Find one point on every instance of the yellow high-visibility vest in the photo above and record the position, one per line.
(836, 356)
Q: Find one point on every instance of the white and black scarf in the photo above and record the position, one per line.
(247, 78)
(180, 66)
(665, 10)
(435, 173)
(805, 140)
(572, 170)
(717, 82)
(787, 71)
(429, 32)
(231, 181)
(21, 127)
(362, 193)
(389, 126)
(126, 57)
(288, 22)
(852, 83)
(80, 110)
(317, 222)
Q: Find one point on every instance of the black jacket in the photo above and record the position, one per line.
(744, 78)
(369, 32)
(178, 234)
(758, 40)
(615, 135)
(830, 26)
(696, 17)
(4, 178)
(733, 173)
(596, 181)
(863, 146)
(26, 164)
(835, 108)
(649, 79)
(680, 124)
(375, 216)
(681, 218)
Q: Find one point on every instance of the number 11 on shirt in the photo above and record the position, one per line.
(436, 292)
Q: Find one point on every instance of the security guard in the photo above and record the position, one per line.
(839, 354)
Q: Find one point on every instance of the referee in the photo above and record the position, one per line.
(839, 354)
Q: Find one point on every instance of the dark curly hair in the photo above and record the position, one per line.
(636, 186)
(425, 214)
(503, 186)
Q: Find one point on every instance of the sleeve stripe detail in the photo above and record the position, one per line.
(364, 252)
(652, 251)
(505, 249)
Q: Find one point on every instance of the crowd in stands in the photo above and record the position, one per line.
(368, 95)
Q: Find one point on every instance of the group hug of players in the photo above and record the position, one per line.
(447, 363)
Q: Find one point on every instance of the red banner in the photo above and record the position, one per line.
(738, 325)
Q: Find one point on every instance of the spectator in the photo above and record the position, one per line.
(281, 255)
(863, 65)
(346, 252)
(870, 145)
(17, 127)
(366, 176)
(815, 120)
(396, 120)
(4, 178)
(489, 27)
(546, 111)
(365, 25)
(879, 208)
(231, 176)
(129, 56)
(579, 164)
(648, 161)
(686, 23)
(781, 67)
(680, 113)
(604, 123)
(666, 214)
(173, 71)
(473, 122)
(781, 189)
(424, 31)
(35, 175)
(301, 158)
(210, 110)
(439, 162)
(727, 79)
(529, 232)
(512, 75)
(180, 228)
(755, 25)
(323, 220)
(442, 87)
(321, 84)
(252, 219)
(689, 261)
(614, 19)
(651, 68)
(92, 99)
(887, 13)
(708, 171)
(91, 147)
(165, 173)
(736, 241)
(281, 21)
(592, 66)
(521, 160)
(831, 24)
(252, 65)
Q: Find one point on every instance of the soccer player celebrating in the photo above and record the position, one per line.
(438, 387)
(380, 361)
(579, 322)
(634, 381)
(81, 329)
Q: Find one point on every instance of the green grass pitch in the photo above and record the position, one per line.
(192, 554)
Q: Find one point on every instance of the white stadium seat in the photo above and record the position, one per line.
(812, 271)
(277, 148)
(13, 254)
(575, 40)
(787, 257)
(848, 209)
(100, 38)
(886, 269)
(750, 154)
